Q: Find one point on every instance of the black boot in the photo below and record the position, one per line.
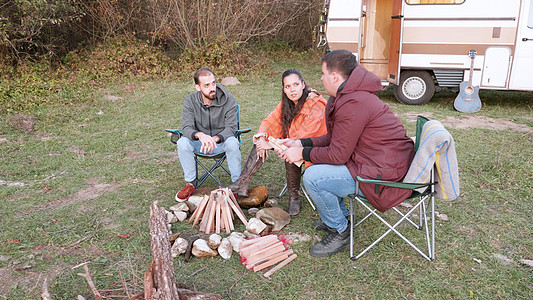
(332, 243)
(293, 174)
(320, 225)
(242, 184)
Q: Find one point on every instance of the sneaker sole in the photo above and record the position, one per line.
(183, 200)
(178, 199)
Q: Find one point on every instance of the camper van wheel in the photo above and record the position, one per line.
(415, 88)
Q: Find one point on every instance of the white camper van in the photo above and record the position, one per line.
(417, 44)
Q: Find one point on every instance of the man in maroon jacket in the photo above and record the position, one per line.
(364, 139)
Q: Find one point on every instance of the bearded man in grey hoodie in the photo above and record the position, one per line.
(209, 120)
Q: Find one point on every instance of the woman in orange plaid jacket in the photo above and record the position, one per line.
(300, 114)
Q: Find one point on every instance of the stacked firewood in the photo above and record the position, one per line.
(216, 212)
(260, 253)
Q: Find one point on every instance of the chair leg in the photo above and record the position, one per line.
(307, 197)
(423, 208)
(352, 212)
(391, 228)
(284, 190)
(208, 172)
(417, 226)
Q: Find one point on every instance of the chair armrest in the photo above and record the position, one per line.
(176, 135)
(401, 185)
(241, 131)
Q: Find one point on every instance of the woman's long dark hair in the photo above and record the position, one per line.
(289, 111)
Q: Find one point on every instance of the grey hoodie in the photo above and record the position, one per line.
(220, 118)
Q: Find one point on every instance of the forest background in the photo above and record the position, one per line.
(47, 46)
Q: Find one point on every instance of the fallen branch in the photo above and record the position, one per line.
(233, 285)
(46, 290)
(87, 276)
(197, 271)
(88, 237)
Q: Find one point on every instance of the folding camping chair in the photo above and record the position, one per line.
(424, 201)
(218, 158)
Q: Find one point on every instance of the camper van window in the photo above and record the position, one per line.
(435, 1)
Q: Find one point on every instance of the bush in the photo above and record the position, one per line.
(26, 86)
(223, 56)
(120, 58)
(34, 29)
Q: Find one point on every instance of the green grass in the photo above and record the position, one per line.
(90, 174)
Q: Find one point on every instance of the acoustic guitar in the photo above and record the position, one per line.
(467, 100)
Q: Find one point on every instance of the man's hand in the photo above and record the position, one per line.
(209, 143)
(291, 155)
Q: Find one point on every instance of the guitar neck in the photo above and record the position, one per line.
(471, 72)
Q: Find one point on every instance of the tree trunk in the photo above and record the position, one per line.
(159, 279)
(163, 283)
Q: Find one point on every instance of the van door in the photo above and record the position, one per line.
(395, 46)
(375, 36)
(523, 58)
(342, 30)
(496, 67)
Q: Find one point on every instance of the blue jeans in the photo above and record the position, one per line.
(328, 185)
(187, 148)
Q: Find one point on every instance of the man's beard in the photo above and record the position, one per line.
(210, 96)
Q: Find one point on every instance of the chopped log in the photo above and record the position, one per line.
(260, 255)
(163, 276)
(281, 265)
(224, 216)
(248, 242)
(206, 217)
(188, 252)
(229, 214)
(216, 212)
(235, 205)
(217, 219)
(199, 211)
(272, 261)
(211, 216)
(148, 283)
(250, 249)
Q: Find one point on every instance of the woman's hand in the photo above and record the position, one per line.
(262, 144)
(262, 154)
(262, 149)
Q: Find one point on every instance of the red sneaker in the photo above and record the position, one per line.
(185, 192)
